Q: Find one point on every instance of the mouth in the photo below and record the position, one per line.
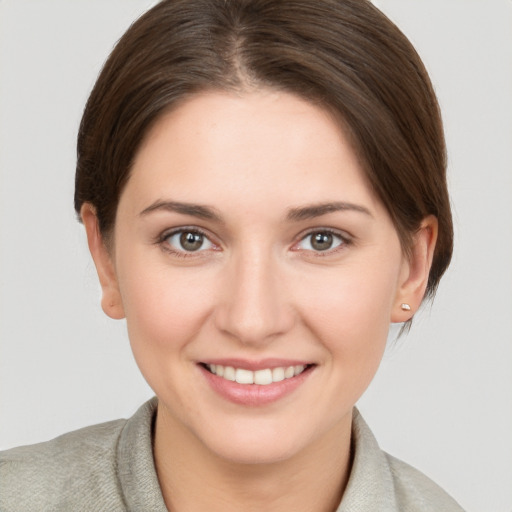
(261, 377)
(256, 383)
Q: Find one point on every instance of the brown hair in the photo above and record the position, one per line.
(343, 54)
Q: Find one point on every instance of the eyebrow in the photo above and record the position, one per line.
(195, 210)
(294, 214)
(317, 210)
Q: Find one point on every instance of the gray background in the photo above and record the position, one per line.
(442, 398)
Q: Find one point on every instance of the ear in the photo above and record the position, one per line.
(111, 302)
(415, 271)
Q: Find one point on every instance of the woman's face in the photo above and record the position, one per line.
(248, 242)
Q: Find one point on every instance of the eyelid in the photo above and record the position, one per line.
(166, 234)
(161, 239)
(343, 235)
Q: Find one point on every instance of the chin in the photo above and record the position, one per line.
(257, 443)
(256, 453)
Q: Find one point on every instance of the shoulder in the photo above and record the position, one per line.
(74, 470)
(381, 482)
(416, 492)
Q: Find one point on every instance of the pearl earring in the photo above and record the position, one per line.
(405, 307)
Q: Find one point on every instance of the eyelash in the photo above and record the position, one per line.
(346, 241)
(162, 240)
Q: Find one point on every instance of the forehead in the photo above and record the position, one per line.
(260, 145)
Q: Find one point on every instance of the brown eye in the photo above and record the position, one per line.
(191, 241)
(188, 241)
(321, 241)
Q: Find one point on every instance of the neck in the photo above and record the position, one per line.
(192, 478)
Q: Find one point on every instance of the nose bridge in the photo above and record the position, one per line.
(255, 308)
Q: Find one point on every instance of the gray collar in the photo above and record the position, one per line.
(370, 486)
(136, 467)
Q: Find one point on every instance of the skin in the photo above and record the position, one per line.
(255, 289)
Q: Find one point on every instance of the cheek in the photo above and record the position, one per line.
(350, 313)
(354, 299)
(164, 308)
(164, 313)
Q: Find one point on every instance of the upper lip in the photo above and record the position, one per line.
(255, 365)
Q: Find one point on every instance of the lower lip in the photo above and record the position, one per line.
(254, 394)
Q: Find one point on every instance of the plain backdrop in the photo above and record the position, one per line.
(442, 397)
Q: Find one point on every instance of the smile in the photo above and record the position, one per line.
(256, 383)
(262, 377)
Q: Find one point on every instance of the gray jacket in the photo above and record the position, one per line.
(109, 467)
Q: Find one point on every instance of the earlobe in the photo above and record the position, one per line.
(111, 302)
(415, 271)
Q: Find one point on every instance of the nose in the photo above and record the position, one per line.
(254, 307)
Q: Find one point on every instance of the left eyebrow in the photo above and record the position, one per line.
(194, 210)
(317, 210)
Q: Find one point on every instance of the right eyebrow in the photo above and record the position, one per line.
(195, 210)
(317, 210)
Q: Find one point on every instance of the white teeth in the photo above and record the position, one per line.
(263, 377)
(298, 369)
(229, 373)
(278, 374)
(244, 376)
(260, 377)
(289, 372)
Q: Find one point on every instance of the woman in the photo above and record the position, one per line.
(262, 185)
